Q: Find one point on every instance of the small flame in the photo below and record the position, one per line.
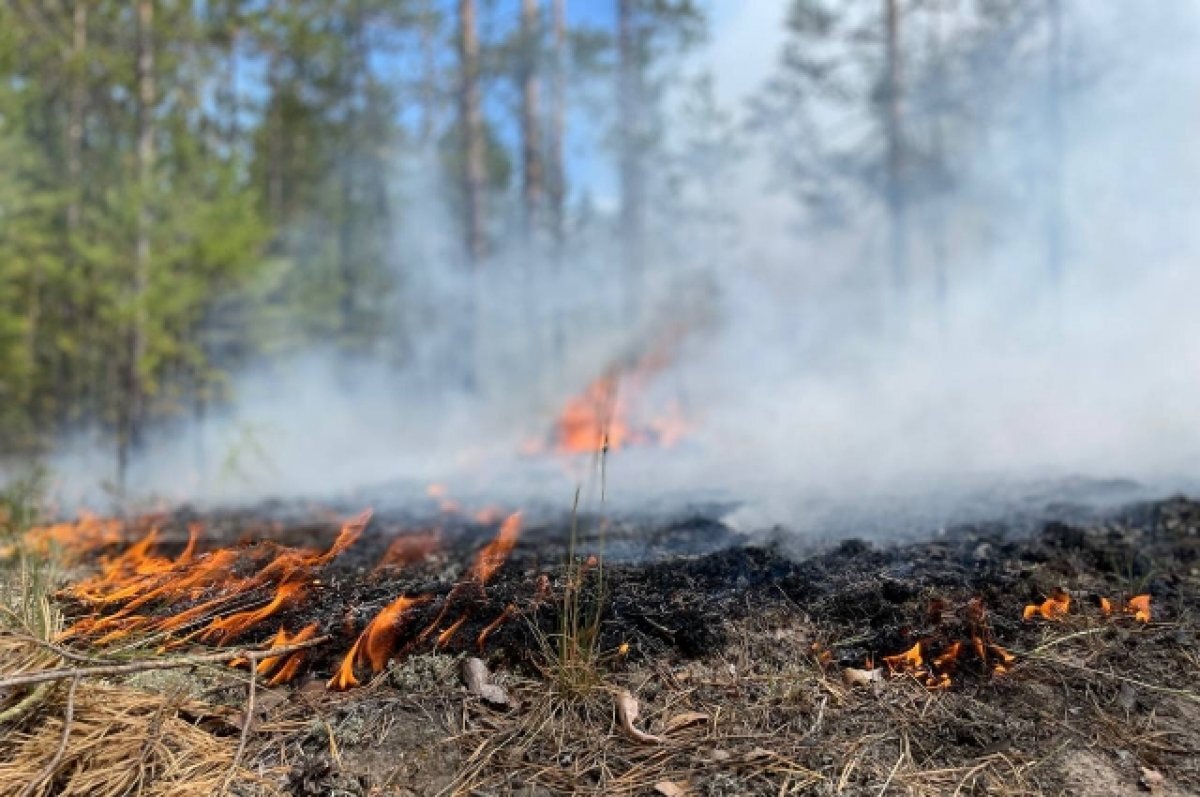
(491, 627)
(496, 552)
(1139, 605)
(377, 642)
(83, 536)
(1106, 607)
(138, 578)
(948, 657)
(439, 493)
(223, 629)
(284, 667)
(1053, 608)
(409, 549)
(908, 661)
(445, 636)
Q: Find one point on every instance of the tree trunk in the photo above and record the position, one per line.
(531, 148)
(471, 123)
(558, 101)
(897, 223)
(1054, 166)
(557, 176)
(75, 118)
(146, 98)
(231, 77)
(632, 189)
(349, 223)
(274, 123)
(428, 88)
(941, 207)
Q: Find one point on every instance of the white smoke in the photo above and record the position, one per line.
(815, 387)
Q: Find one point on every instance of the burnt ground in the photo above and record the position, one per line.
(737, 657)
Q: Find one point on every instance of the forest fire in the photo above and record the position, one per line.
(224, 595)
(603, 418)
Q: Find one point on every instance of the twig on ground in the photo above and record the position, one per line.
(103, 671)
(247, 721)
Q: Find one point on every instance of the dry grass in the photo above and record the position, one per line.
(124, 742)
(87, 738)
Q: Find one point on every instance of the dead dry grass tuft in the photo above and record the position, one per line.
(121, 741)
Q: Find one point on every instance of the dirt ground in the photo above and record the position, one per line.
(756, 671)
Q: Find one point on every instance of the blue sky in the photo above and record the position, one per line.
(742, 47)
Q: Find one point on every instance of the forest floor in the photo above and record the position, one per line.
(755, 672)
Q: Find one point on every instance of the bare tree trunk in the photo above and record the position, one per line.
(557, 176)
(471, 121)
(231, 77)
(132, 410)
(632, 189)
(428, 88)
(1054, 168)
(938, 147)
(274, 124)
(531, 147)
(897, 223)
(558, 101)
(75, 118)
(348, 224)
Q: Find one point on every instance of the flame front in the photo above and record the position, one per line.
(209, 584)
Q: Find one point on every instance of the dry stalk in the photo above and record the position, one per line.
(146, 665)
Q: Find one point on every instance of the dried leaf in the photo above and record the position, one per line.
(853, 676)
(685, 720)
(1152, 780)
(478, 680)
(627, 712)
(669, 788)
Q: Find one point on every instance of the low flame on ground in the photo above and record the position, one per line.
(1058, 605)
(1053, 608)
(1137, 607)
(409, 549)
(379, 640)
(209, 583)
(936, 671)
(86, 535)
(282, 668)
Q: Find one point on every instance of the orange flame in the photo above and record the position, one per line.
(1139, 605)
(491, 627)
(284, 667)
(496, 552)
(224, 629)
(408, 549)
(439, 493)
(445, 636)
(908, 661)
(948, 657)
(377, 641)
(87, 534)
(137, 578)
(1053, 608)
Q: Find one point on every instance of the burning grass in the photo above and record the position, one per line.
(737, 661)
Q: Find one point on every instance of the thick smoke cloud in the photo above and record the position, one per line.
(809, 386)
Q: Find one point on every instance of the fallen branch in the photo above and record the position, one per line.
(104, 671)
(247, 721)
